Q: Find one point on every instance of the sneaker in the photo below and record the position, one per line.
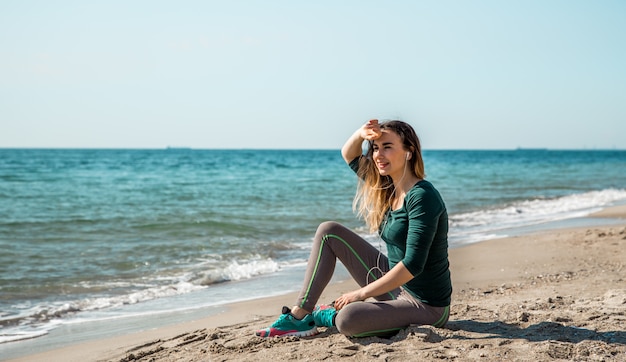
(324, 316)
(288, 325)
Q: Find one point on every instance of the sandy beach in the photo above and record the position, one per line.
(555, 295)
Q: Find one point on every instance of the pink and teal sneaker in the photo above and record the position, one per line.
(288, 325)
(324, 315)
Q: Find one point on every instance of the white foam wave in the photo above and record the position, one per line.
(138, 296)
(489, 223)
(36, 320)
(15, 334)
(238, 271)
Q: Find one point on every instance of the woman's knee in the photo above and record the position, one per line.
(348, 321)
(328, 227)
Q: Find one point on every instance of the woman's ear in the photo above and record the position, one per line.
(409, 154)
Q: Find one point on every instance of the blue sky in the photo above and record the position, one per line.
(306, 74)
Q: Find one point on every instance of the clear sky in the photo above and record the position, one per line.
(305, 74)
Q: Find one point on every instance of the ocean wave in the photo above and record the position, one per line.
(14, 335)
(485, 224)
(36, 320)
(237, 271)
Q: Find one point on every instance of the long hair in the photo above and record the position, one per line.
(374, 192)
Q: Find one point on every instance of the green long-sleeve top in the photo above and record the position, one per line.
(417, 235)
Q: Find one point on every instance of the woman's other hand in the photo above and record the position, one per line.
(348, 298)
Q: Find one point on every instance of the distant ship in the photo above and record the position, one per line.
(531, 149)
(175, 148)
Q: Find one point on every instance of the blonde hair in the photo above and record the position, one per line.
(374, 192)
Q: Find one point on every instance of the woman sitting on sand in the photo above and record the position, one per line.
(412, 284)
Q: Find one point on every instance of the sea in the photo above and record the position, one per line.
(124, 236)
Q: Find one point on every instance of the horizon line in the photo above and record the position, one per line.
(174, 148)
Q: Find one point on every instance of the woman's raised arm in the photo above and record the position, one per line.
(353, 146)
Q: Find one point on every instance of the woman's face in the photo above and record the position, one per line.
(389, 154)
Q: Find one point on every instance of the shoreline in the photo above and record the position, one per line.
(503, 268)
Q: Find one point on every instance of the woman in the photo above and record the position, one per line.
(412, 284)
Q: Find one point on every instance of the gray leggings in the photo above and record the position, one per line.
(391, 312)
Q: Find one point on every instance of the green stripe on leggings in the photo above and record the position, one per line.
(319, 256)
(444, 318)
(381, 332)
